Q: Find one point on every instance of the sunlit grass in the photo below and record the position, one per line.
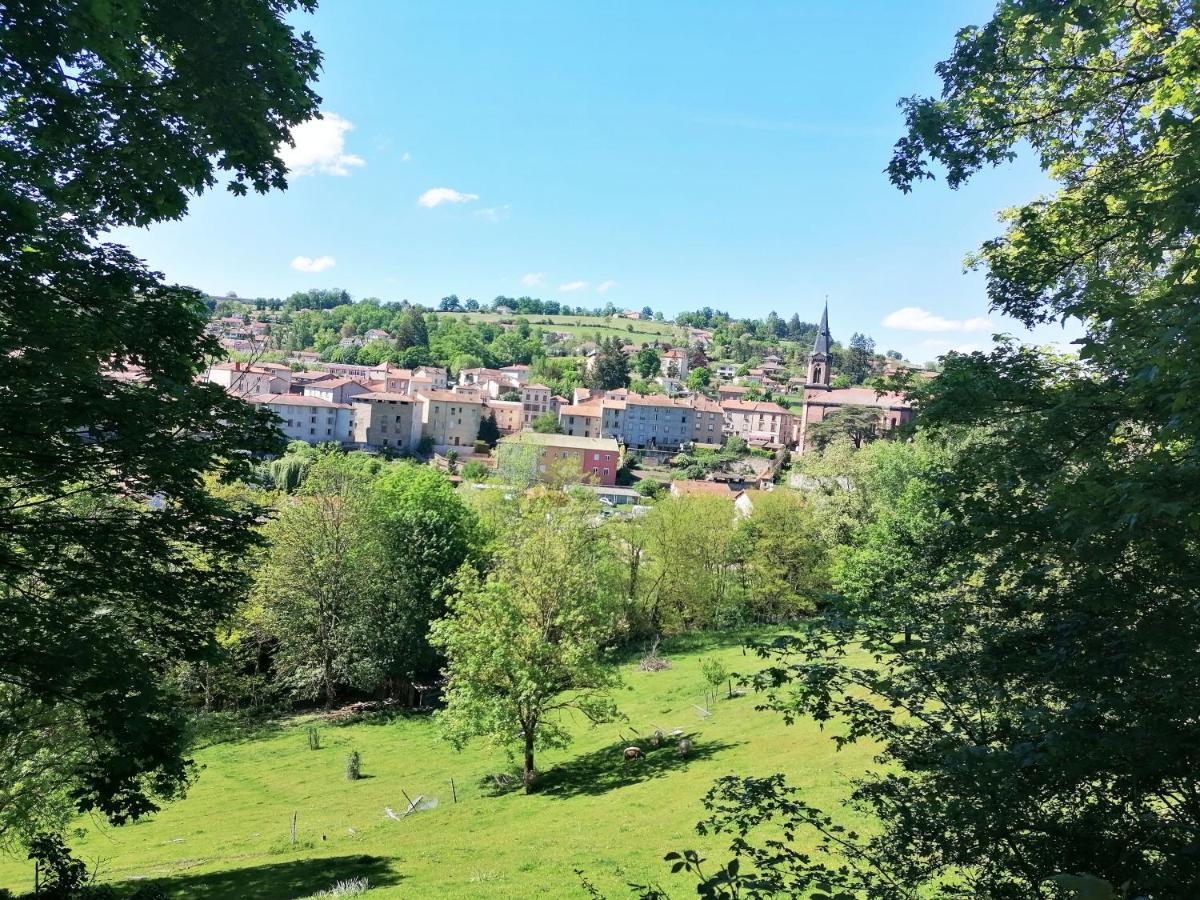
(231, 837)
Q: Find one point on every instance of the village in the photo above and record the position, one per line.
(448, 417)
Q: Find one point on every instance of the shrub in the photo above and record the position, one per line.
(62, 874)
(474, 471)
(354, 766)
(714, 671)
(650, 487)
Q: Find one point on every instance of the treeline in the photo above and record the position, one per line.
(362, 557)
(329, 298)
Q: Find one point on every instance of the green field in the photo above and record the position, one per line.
(230, 838)
(586, 326)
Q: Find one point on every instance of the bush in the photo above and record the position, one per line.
(650, 487)
(62, 874)
(474, 471)
(353, 766)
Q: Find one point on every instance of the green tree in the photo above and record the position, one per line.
(1044, 720)
(489, 430)
(411, 332)
(857, 364)
(523, 644)
(610, 368)
(646, 363)
(860, 424)
(785, 560)
(314, 586)
(425, 534)
(116, 562)
(697, 379)
(547, 423)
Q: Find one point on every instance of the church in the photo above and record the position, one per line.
(821, 399)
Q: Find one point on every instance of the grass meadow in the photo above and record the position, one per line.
(230, 838)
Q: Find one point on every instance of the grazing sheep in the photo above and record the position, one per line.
(656, 739)
(633, 753)
(685, 747)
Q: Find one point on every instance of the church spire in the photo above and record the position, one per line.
(824, 338)
(818, 361)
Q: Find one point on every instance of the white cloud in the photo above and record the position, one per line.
(309, 264)
(605, 286)
(493, 213)
(572, 286)
(319, 145)
(437, 196)
(533, 279)
(405, 156)
(914, 318)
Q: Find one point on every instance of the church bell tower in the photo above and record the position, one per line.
(818, 360)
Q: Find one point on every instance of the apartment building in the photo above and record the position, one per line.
(510, 415)
(535, 400)
(709, 424)
(758, 422)
(449, 419)
(311, 419)
(385, 419)
(653, 422)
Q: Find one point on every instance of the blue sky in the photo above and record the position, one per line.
(668, 154)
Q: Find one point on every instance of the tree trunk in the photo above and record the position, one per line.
(527, 773)
(327, 676)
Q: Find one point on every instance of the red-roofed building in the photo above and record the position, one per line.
(758, 422)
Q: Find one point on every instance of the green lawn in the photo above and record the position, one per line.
(229, 838)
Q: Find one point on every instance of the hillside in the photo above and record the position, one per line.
(636, 332)
(229, 839)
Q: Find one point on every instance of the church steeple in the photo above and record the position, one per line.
(818, 360)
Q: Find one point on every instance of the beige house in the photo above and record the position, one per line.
(709, 427)
(335, 390)
(758, 422)
(436, 375)
(510, 416)
(600, 417)
(448, 419)
(385, 419)
(243, 379)
(535, 399)
(674, 364)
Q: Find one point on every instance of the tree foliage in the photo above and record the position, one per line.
(116, 561)
(524, 643)
(1040, 725)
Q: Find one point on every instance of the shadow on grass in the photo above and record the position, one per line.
(279, 881)
(606, 769)
(210, 729)
(693, 642)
